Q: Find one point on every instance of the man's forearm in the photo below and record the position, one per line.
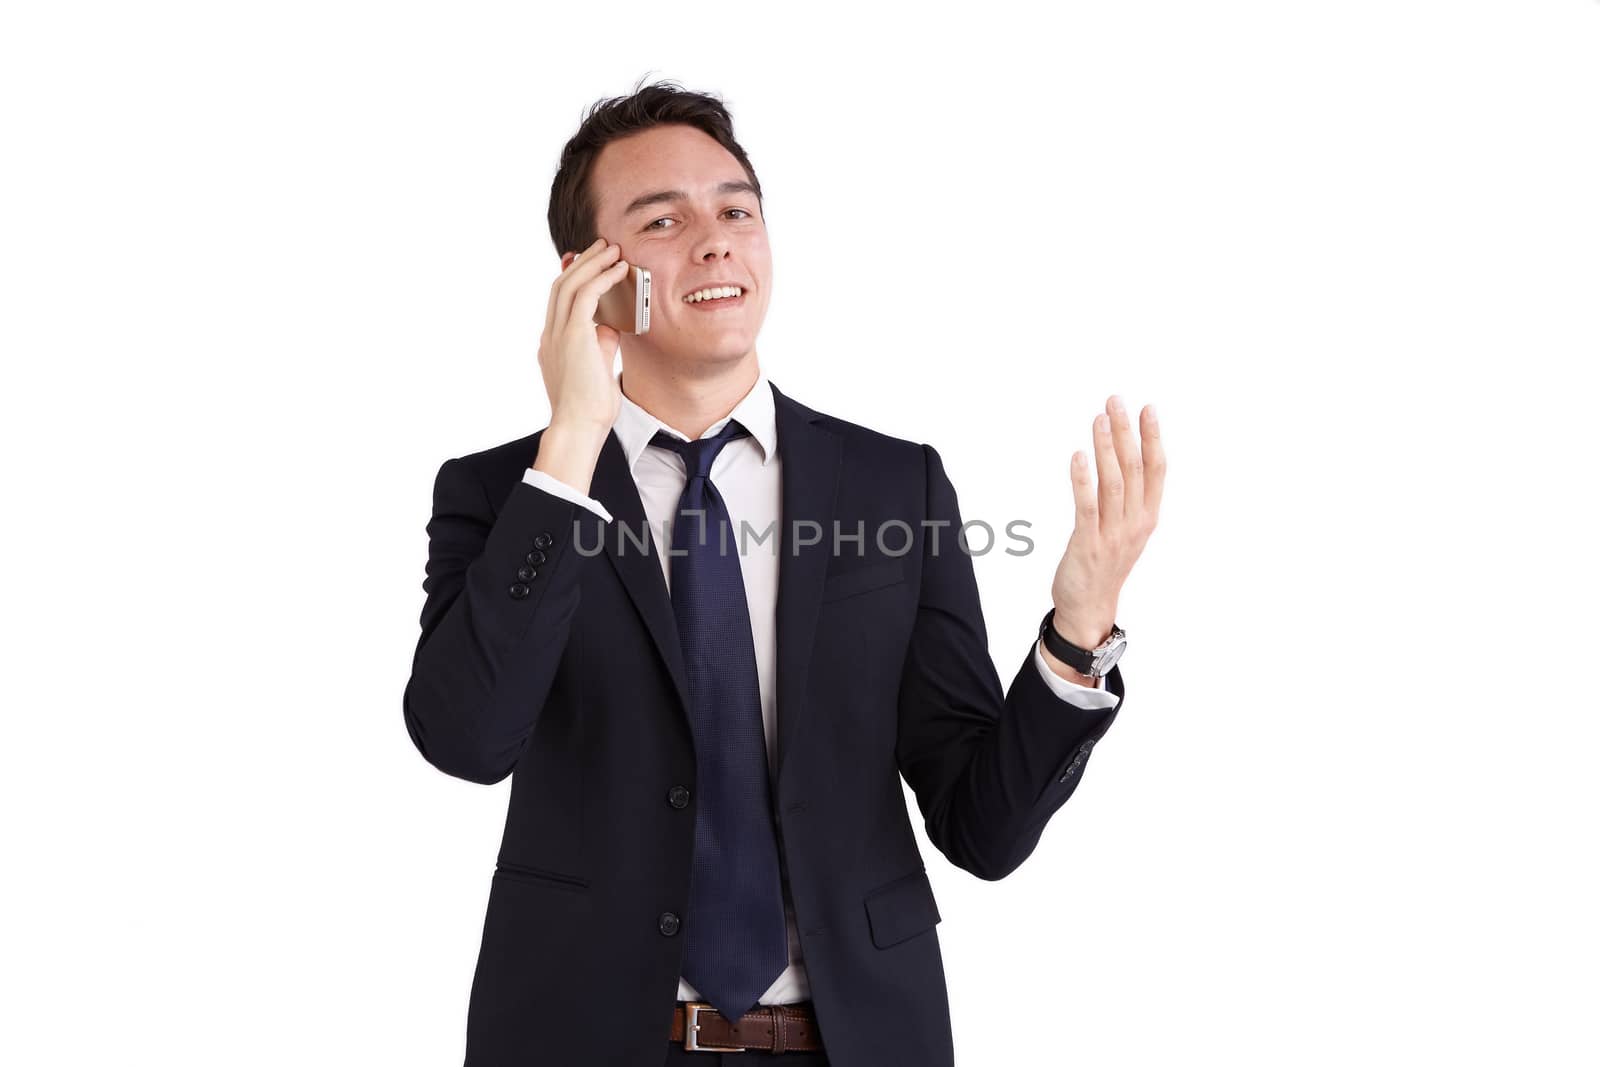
(569, 453)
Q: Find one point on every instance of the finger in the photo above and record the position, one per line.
(587, 297)
(1155, 462)
(1105, 461)
(590, 261)
(598, 242)
(576, 277)
(1085, 508)
(555, 289)
(1128, 458)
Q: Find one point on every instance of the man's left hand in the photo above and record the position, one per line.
(1110, 525)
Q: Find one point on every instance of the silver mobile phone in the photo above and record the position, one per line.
(625, 307)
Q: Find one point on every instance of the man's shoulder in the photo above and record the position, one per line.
(507, 458)
(862, 441)
(497, 468)
(514, 454)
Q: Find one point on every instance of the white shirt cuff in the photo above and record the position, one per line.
(1079, 696)
(551, 484)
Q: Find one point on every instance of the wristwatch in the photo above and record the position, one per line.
(1096, 662)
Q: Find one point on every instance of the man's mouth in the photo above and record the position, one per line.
(716, 296)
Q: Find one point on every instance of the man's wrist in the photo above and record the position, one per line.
(1062, 670)
(1085, 631)
(569, 452)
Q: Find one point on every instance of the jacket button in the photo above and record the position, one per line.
(678, 796)
(536, 557)
(668, 923)
(544, 540)
(526, 573)
(519, 591)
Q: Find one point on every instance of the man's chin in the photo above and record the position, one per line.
(724, 351)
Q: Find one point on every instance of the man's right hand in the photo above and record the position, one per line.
(575, 352)
(575, 357)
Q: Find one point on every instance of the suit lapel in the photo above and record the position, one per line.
(639, 567)
(810, 454)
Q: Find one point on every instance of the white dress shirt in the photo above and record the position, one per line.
(748, 474)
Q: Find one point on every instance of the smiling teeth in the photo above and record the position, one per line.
(712, 294)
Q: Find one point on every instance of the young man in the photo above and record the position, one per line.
(706, 629)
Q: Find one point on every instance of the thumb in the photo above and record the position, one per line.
(608, 339)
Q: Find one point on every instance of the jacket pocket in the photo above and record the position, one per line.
(901, 909)
(862, 579)
(517, 872)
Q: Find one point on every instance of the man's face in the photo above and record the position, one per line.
(700, 234)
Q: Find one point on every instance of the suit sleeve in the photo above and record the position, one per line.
(550, 483)
(988, 767)
(1079, 696)
(501, 590)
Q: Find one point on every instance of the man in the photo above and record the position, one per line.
(707, 845)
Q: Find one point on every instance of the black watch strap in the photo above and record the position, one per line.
(1079, 659)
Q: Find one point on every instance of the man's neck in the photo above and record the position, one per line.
(688, 403)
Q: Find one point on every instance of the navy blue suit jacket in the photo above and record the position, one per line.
(571, 681)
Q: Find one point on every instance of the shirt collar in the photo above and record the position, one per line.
(635, 427)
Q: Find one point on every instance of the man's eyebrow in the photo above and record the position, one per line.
(669, 195)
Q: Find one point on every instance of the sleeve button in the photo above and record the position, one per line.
(519, 591)
(544, 540)
(668, 923)
(527, 574)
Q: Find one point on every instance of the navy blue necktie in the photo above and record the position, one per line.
(736, 941)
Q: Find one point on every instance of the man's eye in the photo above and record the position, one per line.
(668, 218)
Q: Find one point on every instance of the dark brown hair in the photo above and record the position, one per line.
(572, 225)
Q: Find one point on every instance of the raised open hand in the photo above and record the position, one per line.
(1111, 525)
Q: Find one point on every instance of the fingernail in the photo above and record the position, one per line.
(1116, 403)
(1152, 414)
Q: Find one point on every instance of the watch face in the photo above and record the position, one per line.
(1108, 659)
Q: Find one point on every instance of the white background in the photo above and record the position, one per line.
(266, 266)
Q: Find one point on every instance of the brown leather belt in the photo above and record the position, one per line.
(769, 1027)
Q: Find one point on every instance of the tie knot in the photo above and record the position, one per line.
(699, 455)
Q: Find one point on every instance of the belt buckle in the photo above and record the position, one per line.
(691, 1030)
